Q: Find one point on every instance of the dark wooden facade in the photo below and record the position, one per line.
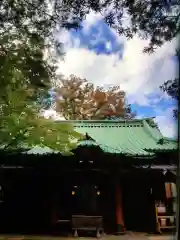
(41, 193)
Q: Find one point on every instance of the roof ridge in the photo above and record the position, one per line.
(106, 120)
(170, 139)
(148, 126)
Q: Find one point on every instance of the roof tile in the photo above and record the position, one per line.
(132, 137)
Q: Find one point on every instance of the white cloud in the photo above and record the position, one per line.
(108, 46)
(137, 73)
(166, 126)
(138, 99)
(90, 20)
(166, 123)
(52, 114)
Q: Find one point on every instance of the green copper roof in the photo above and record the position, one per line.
(40, 150)
(137, 137)
(131, 137)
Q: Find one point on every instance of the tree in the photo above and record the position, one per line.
(171, 87)
(28, 28)
(24, 87)
(158, 21)
(23, 68)
(76, 98)
(22, 126)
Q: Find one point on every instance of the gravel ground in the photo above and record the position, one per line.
(139, 237)
(121, 237)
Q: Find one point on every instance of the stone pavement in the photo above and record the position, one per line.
(139, 237)
(147, 238)
(130, 236)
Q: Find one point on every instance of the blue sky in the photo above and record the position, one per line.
(98, 54)
(88, 39)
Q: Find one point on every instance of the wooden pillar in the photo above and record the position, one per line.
(54, 216)
(119, 211)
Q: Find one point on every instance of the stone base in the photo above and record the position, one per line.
(120, 229)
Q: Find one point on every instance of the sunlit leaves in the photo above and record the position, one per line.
(22, 126)
(25, 79)
(158, 21)
(76, 98)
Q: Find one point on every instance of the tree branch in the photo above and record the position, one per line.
(14, 140)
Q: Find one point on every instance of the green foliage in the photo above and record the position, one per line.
(25, 79)
(24, 33)
(22, 64)
(171, 87)
(28, 27)
(22, 126)
(157, 20)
